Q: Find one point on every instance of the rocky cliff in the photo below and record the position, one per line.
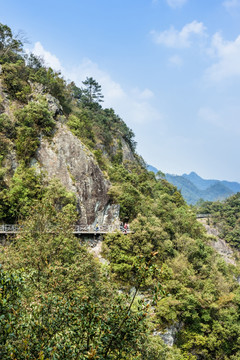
(66, 158)
(69, 160)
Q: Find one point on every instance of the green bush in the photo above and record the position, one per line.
(53, 84)
(15, 79)
(7, 127)
(32, 121)
(80, 125)
(10, 47)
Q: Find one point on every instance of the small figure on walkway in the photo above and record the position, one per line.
(125, 228)
(121, 226)
(97, 227)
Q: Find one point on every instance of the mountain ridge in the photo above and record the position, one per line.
(193, 187)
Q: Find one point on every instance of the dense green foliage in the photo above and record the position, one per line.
(10, 287)
(10, 46)
(32, 120)
(226, 216)
(59, 302)
(202, 296)
(7, 133)
(66, 309)
(101, 130)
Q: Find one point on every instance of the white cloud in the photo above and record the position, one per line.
(140, 112)
(143, 95)
(176, 3)
(179, 39)
(231, 4)
(88, 68)
(50, 59)
(176, 61)
(133, 105)
(228, 59)
(209, 115)
(224, 119)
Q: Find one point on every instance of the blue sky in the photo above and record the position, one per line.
(169, 68)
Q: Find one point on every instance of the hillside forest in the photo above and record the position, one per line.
(161, 281)
(225, 217)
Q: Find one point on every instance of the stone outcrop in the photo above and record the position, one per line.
(169, 335)
(127, 152)
(54, 105)
(224, 250)
(66, 158)
(69, 160)
(4, 101)
(220, 245)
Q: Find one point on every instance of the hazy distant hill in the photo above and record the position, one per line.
(199, 182)
(152, 168)
(194, 188)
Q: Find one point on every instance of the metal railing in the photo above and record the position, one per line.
(6, 228)
(80, 229)
(203, 216)
(77, 229)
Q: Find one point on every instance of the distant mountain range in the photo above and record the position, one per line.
(194, 188)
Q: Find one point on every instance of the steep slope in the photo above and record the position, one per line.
(220, 245)
(162, 277)
(67, 159)
(225, 216)
(48, 129)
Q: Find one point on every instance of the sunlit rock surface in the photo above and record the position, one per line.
(69, 160)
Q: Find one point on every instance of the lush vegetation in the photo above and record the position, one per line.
(56, 300)
(226, 216)
(202, 297)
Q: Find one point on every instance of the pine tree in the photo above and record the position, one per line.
(93, 91)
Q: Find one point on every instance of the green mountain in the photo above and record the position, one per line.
(158, 292)
(199, 182)
(203, 184)
(193, 187)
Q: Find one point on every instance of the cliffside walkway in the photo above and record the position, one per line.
(203, 216)
(77, 229)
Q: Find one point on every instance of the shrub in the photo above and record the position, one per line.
(32, 121)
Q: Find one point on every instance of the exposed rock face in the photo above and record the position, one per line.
(4, 101)
(54, 105)
(219, 245)
(170, 334)
(67, 159)
(224, 250)
(127, 152)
